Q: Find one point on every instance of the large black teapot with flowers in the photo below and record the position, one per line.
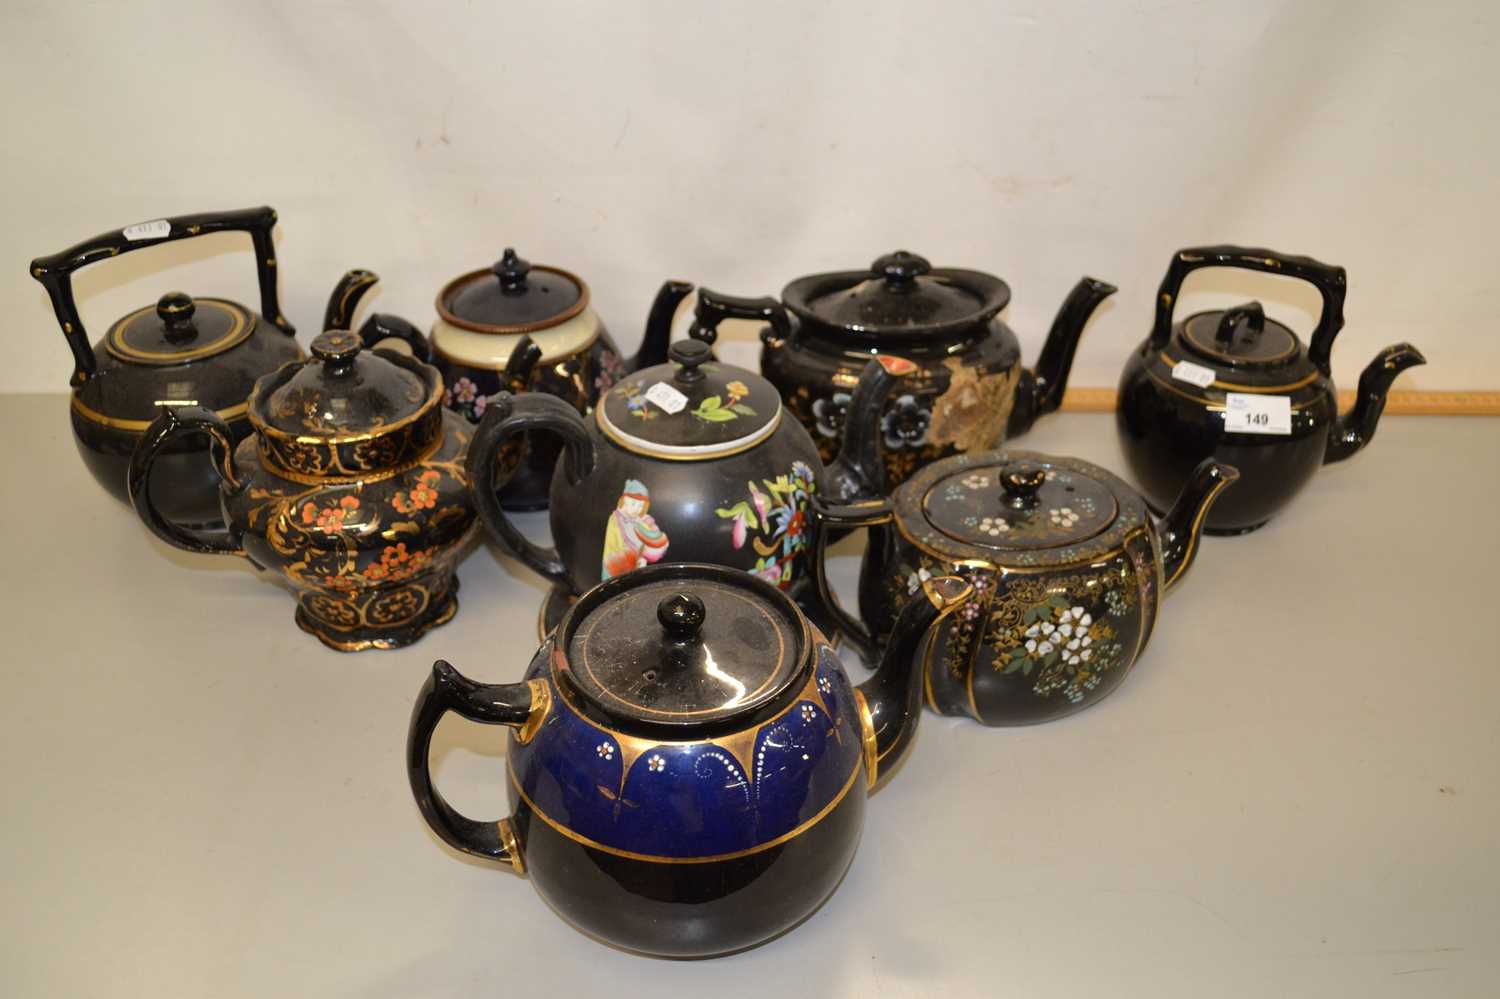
(969, 392)
(693, 460)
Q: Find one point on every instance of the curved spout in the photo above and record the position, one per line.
(890, 702)
(339, 315)
(1180, 529)
(858, 473)
(1356, 428)
(658, 335)
(1041, 389)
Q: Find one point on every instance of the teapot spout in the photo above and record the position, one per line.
(858, 473)
(658, 335)
(1356, 428)
(1041, 389)
(342, 303)
(1180, 529)
(890, 702)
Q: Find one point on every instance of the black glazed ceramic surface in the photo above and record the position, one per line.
(352, 490)
(1067, 569)
(969, 392)
(692, 460)
(193, 350)
(1168, 420)
(482, 317)
(688, 761)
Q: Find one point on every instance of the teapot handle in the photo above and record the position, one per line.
(831, 522)
(522, 706)
(713, 308)
(55, 272)
(508, 416)
(1331, 282)
(175, 422)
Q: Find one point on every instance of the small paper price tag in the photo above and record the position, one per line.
(669, 399)
(147, 230)
(1257, 414)
(1193, 374)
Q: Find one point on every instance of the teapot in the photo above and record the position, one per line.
(1067, 569)
(351, 488)
(688, 762)
(202, 351)
(970, 392)
(482, 317)
(691, 460)
(1238, 386)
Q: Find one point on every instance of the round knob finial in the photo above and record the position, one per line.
(175, 309)
(1021, 480)
(336, 348)
(681, 615)
(901, 269)
(512, 271)
(687, 355)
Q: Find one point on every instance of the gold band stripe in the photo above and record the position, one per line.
(228, 415)
(1398, 403)
(655, 859)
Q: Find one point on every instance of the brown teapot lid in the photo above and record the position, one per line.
(179, 328)
(512, 296)
(683, 645)
(691, 408)
(1020, 504)
(900, 298)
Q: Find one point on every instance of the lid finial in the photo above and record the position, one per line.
(1250, 315)
(901, 269)
(336, 349)
(512, 271)
(175, 309)
(1021, 480)
(687, 355)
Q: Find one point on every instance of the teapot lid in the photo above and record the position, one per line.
(1239, 338)
(691, 408)
(512, 296)
(344, 389)
(179, 328)
(1020, 502)
(682, 645)
(900, 298)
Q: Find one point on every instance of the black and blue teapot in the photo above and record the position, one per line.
(688, 762)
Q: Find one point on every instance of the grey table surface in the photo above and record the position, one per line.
(1296, 792)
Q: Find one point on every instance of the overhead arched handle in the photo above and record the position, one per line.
(55, 272)
(1331, 282)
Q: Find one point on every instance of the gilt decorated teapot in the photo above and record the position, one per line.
(688, 762)
(970, 391)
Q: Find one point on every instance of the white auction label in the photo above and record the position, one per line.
(147, 230)
(669, 399)
(1193, 374)
(1257, 414)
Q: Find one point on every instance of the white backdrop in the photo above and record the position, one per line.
(743, 146)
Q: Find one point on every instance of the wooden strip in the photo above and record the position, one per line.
(1432, 403)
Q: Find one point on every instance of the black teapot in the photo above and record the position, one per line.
(201, 351)
(693, 460)
(970, 391)
(482, 317)
(1235, 385)
(688, 762)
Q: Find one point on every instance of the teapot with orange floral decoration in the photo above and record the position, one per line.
(351, 488)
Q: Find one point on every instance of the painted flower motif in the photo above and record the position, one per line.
(423, 495)
(915, 580)
(994, 526)
(1115, 601)
(462, 391)
(1040, 638)
(1063, 516)
(737, 389)
(808, 714)
(330, 519)
(905, 424)
(611, 370)
(829, 414)
(606, 751)
(769, 569)
(656, 764)
(976, 480)
(825, 685)
(480, 404)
